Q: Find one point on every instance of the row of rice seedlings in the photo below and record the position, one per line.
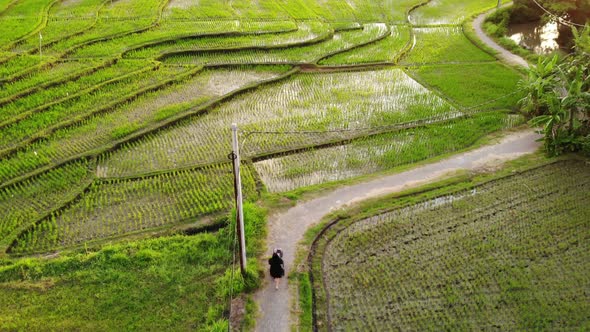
(69, 91)
(332, 11)
(341, 26)
(106, 27)
(103, 30)
(449, 11)
(56, 29)
(22, 18)
(456, 48)
(368, 155)
(382, 10)
(58, 73)
(305, 102)
(132, 8)
(99, 132)
(363, 11)
(66, 18)
(306, 32)
(24, 203)
(22, 62)
(245, 25)
(487, 256)
(209, 9)
(172, 34)
(116, 207)
(304, 54)
(490, 200)
(80, 107)
(119, 17)
(385, 50)
(76, 9)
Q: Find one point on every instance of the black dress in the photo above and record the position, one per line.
(276, 266)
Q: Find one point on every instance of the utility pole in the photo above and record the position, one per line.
(235, 157)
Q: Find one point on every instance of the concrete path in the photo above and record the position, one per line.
(287, 229)
(503, 54)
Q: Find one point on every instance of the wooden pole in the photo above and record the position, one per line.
(238, 195)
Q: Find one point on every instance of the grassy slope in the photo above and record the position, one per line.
(509, 258)
(114, 288)
(175, 283)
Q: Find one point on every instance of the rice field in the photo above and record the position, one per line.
(387, 50)
(508, 254)
(115, 125)
(369, 155)
(357, 102)
(132, 89)
(341, 41)
(119, 207)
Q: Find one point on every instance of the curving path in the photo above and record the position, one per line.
(287, 229)
(503, 54)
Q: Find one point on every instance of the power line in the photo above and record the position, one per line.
(559, 19)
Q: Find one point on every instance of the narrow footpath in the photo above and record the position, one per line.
(287, 229)
(503, 54)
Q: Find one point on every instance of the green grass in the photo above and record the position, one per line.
(449, 11)
(456, 48)
(506, 253)
(20, 63)
(487, 82)
(171, 283)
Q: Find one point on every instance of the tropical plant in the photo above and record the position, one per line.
(558, 96)
(541, 81)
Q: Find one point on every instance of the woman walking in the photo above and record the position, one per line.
(277, 267)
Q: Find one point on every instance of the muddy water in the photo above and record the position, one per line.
(539, 37)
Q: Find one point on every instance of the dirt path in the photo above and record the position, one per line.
(503, 54)
(287, 229)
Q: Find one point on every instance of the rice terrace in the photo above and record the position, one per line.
(117, 192)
